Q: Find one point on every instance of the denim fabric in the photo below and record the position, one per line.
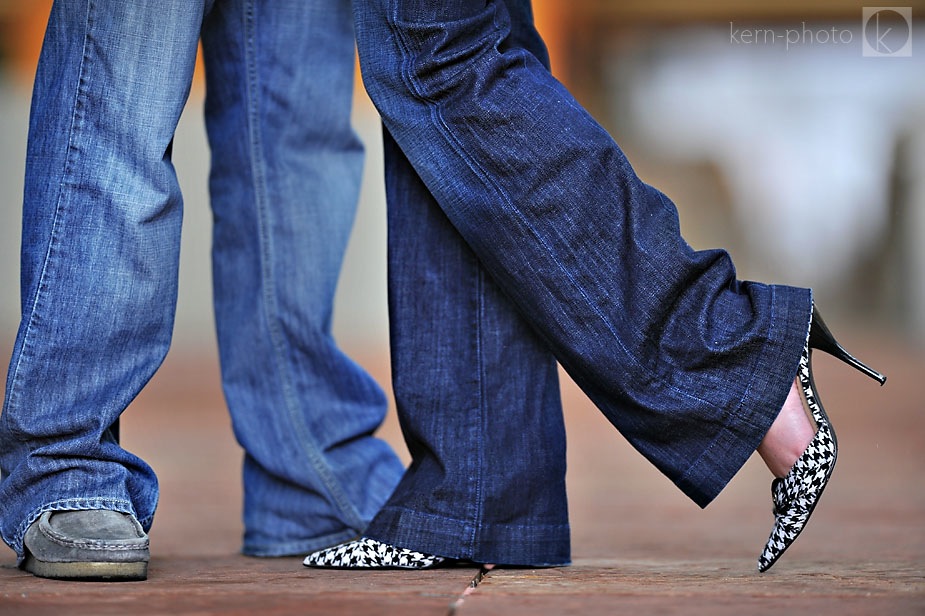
(101, 231)
(477, 395)
(284, 194)
(690, 364)
(476, 391)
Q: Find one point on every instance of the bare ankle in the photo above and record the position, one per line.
(788, 436)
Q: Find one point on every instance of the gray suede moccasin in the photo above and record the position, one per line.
(86, 545)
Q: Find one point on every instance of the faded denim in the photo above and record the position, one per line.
(100, 249)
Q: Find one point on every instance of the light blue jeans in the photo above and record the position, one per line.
(101, 238)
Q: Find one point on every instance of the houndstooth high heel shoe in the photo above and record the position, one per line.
(795, 496)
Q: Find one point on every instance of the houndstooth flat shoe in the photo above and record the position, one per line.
(365, 553)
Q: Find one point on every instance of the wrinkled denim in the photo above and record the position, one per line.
(690, 364)
(477, 393)
(100, 249)
(284, 194)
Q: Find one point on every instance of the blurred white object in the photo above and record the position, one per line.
(804, 135)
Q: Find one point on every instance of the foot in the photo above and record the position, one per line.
(365, 553)
(795, 496)
(97, 545)
(796, 493)
(789, 435)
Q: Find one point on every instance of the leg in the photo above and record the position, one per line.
(478, 397)
(472, 383)
(689, 363)
(478, 400)
(285, 180)
(101, 233)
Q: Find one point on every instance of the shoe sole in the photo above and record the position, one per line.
(88, 571)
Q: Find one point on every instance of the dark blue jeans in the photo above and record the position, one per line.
(690, 364)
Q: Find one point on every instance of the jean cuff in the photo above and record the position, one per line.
(500, 544)
(764, 396)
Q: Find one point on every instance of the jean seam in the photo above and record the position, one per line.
(77, 123)
(486, 179)
(480, 368)
(268, 277)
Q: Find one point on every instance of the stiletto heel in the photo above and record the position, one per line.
(821, 338)
(795, 496)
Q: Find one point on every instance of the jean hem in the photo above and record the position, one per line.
(530, 545)
(761, 402)
(296, 548)
(73, 504)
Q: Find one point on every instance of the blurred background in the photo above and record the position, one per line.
(765, 122)
(791, 133)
